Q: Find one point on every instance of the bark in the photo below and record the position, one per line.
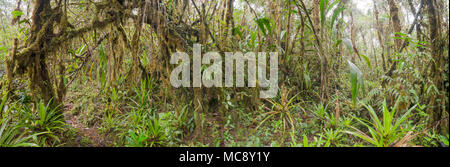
(353, 37)
(320, 53)
(339, 36)
(43, 41)
(302, 46)
(379, 34)
(41, 32)
(418, 25)
(437, 65)
(316, 17)
(230, 20)
(288, 30)
(393, 10)
(402, 46)
(323, 60)
(135, 42)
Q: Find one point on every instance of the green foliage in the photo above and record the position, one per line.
(14, 134)
(136, 140)
(356, 81)
(148, 134)
(143, 93)
(383, 132)
(237, 30)
(151, 113)
(325, 7)
(444, 139)
(333, 136)
(16, 13)
(316, 142)
(3, 102)
(307, 77)
(2, 54)
(367, 61)
(320, 110)
(101, 71)
(45, 119)
(264, 25)
(283, 110)
(336, 13)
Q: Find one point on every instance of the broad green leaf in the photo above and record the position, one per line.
(367, 61)
(264, 25)
(16, 13)
(323, 5)
(336, 13)
(356, 81)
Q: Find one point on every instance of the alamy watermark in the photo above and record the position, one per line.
(212, 75)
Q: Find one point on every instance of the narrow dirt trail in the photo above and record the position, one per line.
(85, 136)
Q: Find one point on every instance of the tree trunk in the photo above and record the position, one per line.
(418, 25)
(379, 32)
(353, 38)
(393, 10)
(41, 33)
(437, 65)
(230, 19)
(316, 17)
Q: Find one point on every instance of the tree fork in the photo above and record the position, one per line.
(391, 70)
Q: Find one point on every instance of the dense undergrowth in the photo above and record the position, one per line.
(138, 117)
(352, 104)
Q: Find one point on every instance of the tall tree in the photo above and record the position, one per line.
(438, 63)
(393, 10)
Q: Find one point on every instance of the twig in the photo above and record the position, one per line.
(88, 54)
(310, 21)
(206, 26)
(251, 9)
(416, 18)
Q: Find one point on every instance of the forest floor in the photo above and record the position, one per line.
(86, 134)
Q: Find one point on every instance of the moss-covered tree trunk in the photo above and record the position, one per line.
(438, 62)
(393, 9)
(41, 35)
